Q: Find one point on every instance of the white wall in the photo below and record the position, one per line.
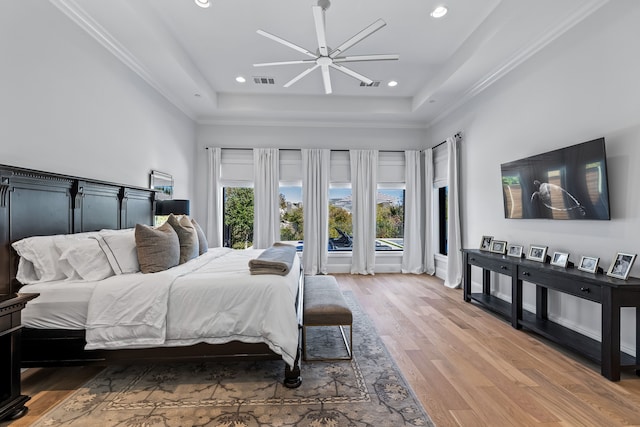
(583, 86)
(69, 106)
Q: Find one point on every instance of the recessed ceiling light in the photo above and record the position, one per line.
(203, 3)
(438, 12)
(240, 79)
(392, 83)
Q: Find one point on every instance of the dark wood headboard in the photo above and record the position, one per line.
(36, 203)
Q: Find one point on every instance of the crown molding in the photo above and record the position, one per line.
(378, 124)
(547, 36)
(79, 16)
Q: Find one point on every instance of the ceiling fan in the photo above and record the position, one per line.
(325, 57)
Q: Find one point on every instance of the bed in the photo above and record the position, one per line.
(206, 308)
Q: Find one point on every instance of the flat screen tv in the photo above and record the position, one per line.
(569, 183)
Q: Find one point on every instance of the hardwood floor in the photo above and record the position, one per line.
(467, 366)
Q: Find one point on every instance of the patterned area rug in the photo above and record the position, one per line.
(368, 391)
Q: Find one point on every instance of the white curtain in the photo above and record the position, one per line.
(454, 256)
(214, 199)
(412, 261)
(315, 199)
(429, 256)
(266, 213)
(364, 165)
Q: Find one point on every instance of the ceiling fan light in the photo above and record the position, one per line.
(439, 12)
(203, 3)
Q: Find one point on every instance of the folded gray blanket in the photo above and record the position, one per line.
(276, 259)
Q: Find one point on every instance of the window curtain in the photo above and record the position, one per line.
(429, 255)
(454, 256)
(412, 260)
(364, 164)
(315, 200)
(266, 212)
(214, 199)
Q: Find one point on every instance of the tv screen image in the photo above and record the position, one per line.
(569, 183)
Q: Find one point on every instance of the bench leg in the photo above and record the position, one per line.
(348, 343)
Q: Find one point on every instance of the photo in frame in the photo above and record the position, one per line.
(485, 243)
(560, 259)
(163, 183)
(621, 265)
(515, 251)
(537, 253)
(589, 264)
(498, 247)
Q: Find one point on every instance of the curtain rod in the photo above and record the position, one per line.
(298, 149)
(456, 136)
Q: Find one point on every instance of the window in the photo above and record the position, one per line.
(390, 220)
(443, 220)
(291, 215)
(340, 225)
(237, 217)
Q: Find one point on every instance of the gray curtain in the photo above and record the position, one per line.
(364, 166)
(266, 213)
(429, 254)
(214, 197)
(454, 256)
(315, 196)
(412, 260)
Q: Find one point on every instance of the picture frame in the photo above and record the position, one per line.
(621, 265)
(560, 259)
(589, 264)
(498, 247)
(537, 253)
(163, 183)
(515, 251)
(485, 243)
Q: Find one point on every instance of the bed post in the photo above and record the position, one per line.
(292, 378)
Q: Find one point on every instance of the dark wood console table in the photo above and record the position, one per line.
(609, 292)
(11, 401)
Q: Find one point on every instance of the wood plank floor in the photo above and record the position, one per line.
(467, 367)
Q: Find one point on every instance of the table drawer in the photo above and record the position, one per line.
(555, 281)
(491, 264)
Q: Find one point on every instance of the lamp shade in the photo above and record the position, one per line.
(175, 206)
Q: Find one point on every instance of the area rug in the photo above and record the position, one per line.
(367, 391)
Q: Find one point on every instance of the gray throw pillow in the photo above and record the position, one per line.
(203, 244)
(158, 248)
(187, 236)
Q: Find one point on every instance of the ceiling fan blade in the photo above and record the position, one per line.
(318, 18)
(358, 37)
(287, 43)
(357, 58)
(326, 79)
(301, 61)
(301, 75)
(350, 72)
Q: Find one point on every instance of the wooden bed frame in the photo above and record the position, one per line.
(36, 203)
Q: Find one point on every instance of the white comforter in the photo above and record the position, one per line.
(212, 299)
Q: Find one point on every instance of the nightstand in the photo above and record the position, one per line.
(11, 401)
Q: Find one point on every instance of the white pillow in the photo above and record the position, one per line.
(43, 255)
(120, 248)
(26, 272)
(85, 259)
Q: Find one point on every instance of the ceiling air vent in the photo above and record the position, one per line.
(372, 84)
(264, 80)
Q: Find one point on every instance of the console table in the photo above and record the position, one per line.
(609, 292)
(11, 401)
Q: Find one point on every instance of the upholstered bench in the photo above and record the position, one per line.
(324, 305)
